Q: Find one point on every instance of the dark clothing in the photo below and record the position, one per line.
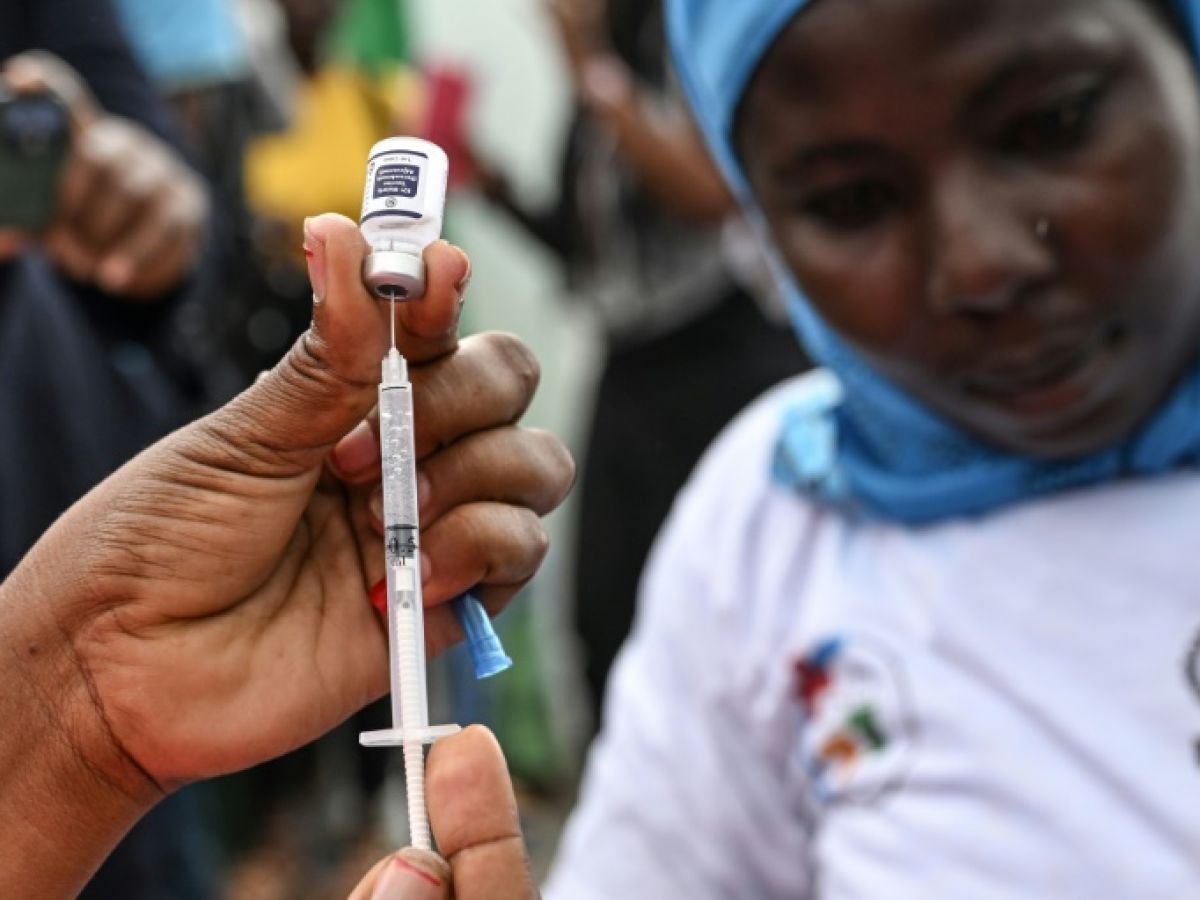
(166, 856)
(86, 381)
(86, 385)
(87, 35)
(657, 408)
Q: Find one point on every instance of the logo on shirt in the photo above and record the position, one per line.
(859, 732)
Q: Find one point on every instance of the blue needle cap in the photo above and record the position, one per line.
(487, 653)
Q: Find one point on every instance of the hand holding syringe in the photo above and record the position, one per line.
(402, 206)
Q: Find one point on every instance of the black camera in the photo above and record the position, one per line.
(35, 133)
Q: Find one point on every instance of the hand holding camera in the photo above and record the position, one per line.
(111, 203)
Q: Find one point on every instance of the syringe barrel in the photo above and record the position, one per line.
(397, 448)
(406, 620)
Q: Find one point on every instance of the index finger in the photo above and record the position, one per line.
(427, 328)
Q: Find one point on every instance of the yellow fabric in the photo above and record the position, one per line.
(317, 165)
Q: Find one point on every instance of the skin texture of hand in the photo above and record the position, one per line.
(474, 818)
(205, 608)
(131, 214)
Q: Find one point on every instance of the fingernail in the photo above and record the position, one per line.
(356, 451)
(375, 504)
(426, 568)
(314, 250)
(404, 880)
(423, 489)
(379, 596)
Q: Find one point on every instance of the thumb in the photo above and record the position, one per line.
(474, 817)
(410, 874)
(288, 420)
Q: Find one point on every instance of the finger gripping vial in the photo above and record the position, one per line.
(402, 209)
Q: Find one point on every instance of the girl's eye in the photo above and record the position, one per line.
(1055, 128)
(853, 206)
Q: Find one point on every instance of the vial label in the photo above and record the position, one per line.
(397, 181)
(395, 186)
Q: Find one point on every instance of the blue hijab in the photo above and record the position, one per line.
(857, 440)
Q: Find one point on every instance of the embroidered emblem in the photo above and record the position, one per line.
(860, 731)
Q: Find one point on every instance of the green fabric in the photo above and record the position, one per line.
(520, 709)
(373, 35)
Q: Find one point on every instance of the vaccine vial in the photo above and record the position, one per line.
(403, 204)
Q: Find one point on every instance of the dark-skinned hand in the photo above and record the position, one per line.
(206, 607)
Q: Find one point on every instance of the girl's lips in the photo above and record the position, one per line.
(1052, 377)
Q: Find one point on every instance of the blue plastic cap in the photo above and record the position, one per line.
(487, 653)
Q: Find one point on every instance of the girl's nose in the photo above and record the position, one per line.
(986, 249)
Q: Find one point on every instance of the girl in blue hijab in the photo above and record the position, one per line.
(926, 624)
(888, 442)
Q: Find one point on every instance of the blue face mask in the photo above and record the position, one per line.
(858, 440)
(186, 45)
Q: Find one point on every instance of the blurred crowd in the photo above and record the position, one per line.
(152, 264)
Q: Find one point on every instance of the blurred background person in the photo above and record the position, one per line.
(227, 75)
(649, 240)
(111, 256)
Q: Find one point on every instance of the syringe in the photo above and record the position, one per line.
(406, 619)
(401, 215)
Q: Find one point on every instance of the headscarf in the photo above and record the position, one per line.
(856, 439)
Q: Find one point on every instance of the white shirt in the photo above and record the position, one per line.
(1006, 707)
